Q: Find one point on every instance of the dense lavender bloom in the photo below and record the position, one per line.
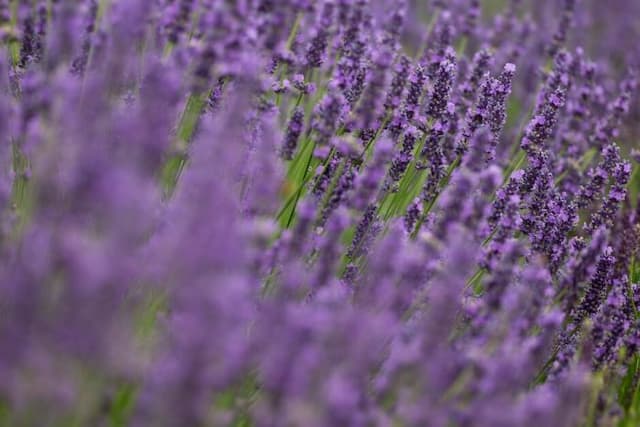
(215, 98)
(498, 112)
(617, 194)
(543, 123)
(597, 176)
(341, 185)
(350, 69)
(402, 159)
(324, 175)
(578, 266)
(433, 153)
(509, 222)
(28, 36)
(439, 41)
(354, 90)
(479, 66)
(294, 129)
(550, 218)
(490, 109)
(414, 93)
(371, 104)
(598, 287)
(414, 212)
(607, 127)
(476, 116)
(327, 115)
(398, 82)
(540, 192)
(178, 19)
(318, 44)
(503, 194)
(575, 132)
(368, 181)
(365, 232)
(330, 213)
(442, 86)
(611, 323)
(80, 62)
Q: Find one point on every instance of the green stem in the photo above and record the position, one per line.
(429, 205)
(14, 43)
(298, 193)
(186, 127)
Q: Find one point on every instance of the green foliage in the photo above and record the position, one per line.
(122, 406)
(186, 128)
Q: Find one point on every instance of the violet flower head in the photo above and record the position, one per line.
(369, 181)
(178, 19)
(402, 159)
(80, 62)
(414, 93)
(327, 115)
(597, 288)
(370, 107)
(318, 44)
(442, 85)
(294, 129)
(396, 89)
(479, 66)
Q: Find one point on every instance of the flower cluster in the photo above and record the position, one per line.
(319, 213)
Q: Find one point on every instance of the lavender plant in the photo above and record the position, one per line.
(319, 213)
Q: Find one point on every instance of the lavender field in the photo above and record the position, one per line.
(318, 213)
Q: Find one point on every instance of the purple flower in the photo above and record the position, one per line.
(317, 213)
(401, 159)
(294, 129)
(318, 44)
(396, 89)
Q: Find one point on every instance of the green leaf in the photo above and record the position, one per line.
(122, 405)
(186, 127)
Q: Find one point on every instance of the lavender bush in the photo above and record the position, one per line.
(319, 213)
